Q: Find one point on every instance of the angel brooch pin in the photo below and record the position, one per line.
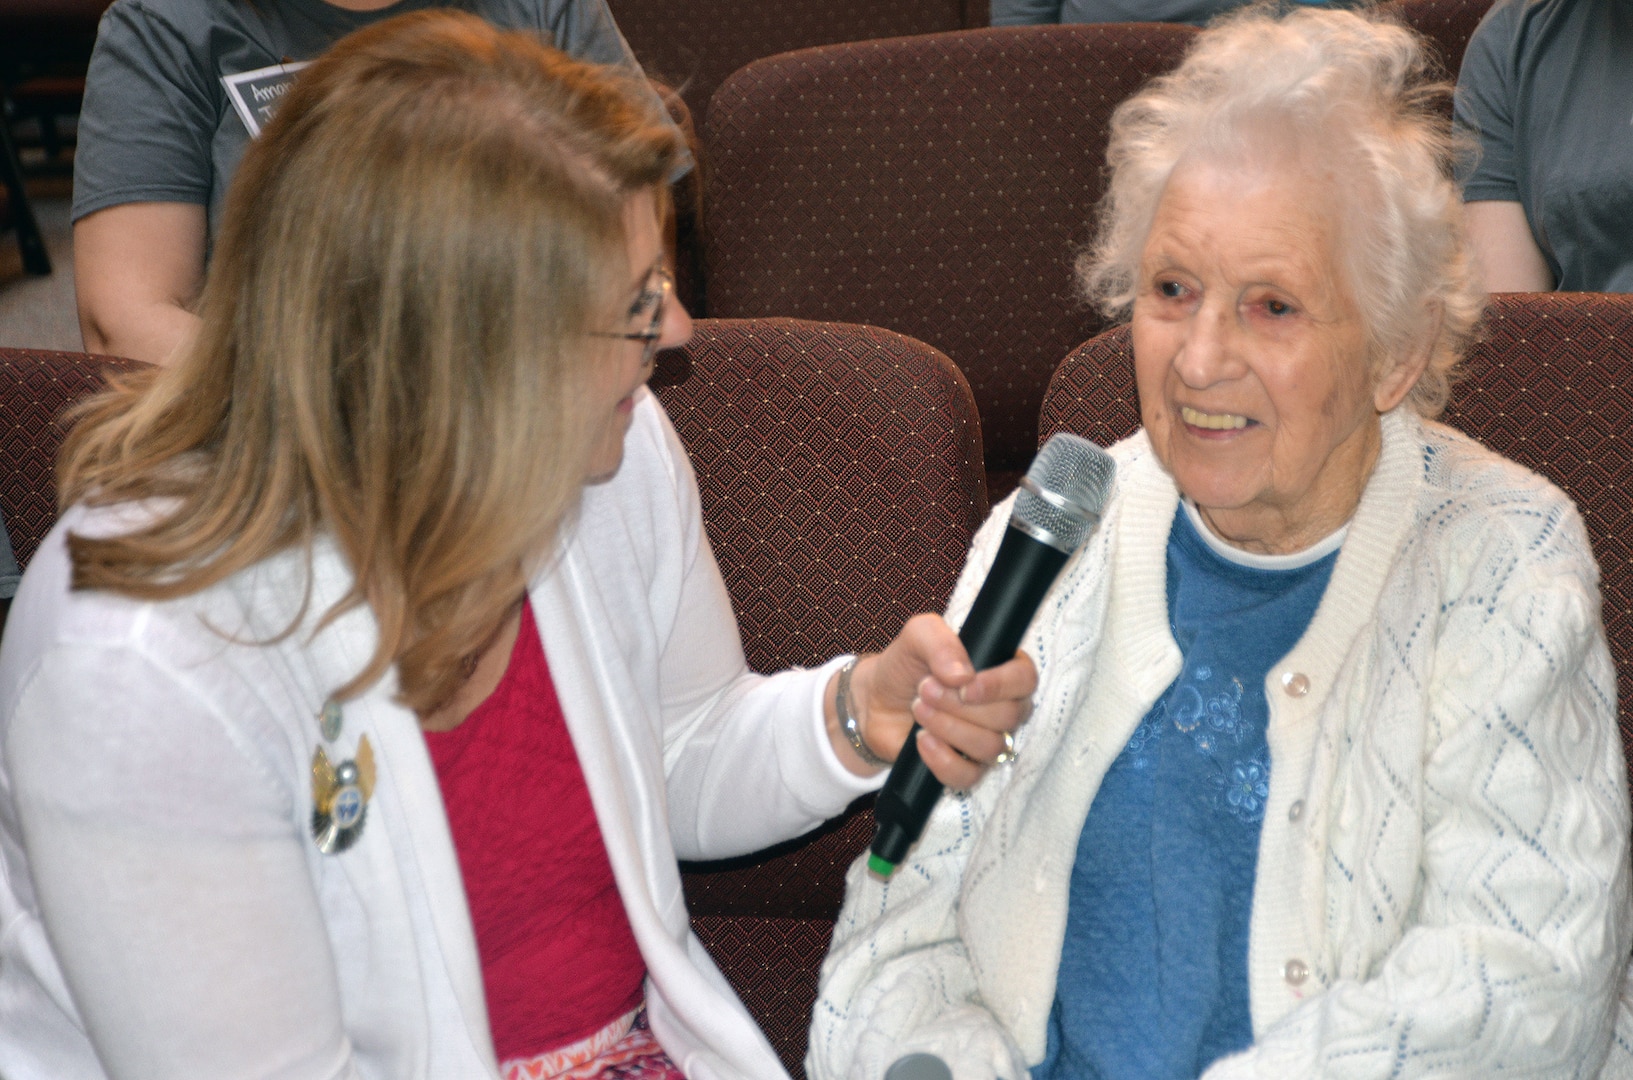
(340, 798)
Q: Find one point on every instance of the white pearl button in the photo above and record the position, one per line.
(1296, 972)
(1295, 811)
(1296, 683)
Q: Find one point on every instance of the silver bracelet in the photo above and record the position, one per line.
(847, 719)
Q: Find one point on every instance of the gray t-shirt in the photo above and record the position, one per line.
(160, 124)
(1547, 85)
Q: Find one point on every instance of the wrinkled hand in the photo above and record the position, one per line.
(925, 676)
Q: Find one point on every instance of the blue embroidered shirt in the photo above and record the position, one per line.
(1153, 972)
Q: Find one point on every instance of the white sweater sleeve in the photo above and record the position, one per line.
(1514, 957)
(897, 979)
(174, 891)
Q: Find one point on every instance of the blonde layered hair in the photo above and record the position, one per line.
(1348, 93)
(397, 341)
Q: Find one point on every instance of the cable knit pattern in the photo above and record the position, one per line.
(1443, 871)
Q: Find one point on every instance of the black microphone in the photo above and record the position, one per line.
(1058, 506)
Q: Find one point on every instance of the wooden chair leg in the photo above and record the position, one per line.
(35, 259)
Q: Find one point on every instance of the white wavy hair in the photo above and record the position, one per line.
(1351, 91)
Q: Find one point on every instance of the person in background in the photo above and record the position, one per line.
(1547, 88)
(176, 91)
(354, 714)
(1324, 778)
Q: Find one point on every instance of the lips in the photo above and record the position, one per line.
(1212, 421)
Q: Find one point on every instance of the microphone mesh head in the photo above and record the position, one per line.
(1065, 491)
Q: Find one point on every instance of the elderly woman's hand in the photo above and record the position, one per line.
(925, 676)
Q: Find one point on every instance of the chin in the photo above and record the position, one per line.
(600, 472)
(1212, 492)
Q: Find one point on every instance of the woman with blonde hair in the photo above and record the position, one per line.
(356, 711)
(1324, 778)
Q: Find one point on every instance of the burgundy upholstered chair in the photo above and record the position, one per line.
(938, 185)
(841, 483)
(35, 387)
(695, 44)
(1447, 23)
(1550, 386)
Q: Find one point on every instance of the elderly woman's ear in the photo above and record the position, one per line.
(1397, 381)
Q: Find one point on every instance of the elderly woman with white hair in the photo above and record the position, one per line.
(1323, 777)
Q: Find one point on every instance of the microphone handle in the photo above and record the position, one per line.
(1021, 574)
(1020, 577)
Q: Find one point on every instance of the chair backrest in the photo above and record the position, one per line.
(695, 45)
(1550, 385)
(36, 386)
(840, 474)
(938, 185)
(1447, 23)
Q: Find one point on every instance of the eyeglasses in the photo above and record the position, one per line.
(653, 298)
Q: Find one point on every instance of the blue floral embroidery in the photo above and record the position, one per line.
(1187, 707)
(1243, 789)
(1221, 711)
(1137, 753)
(1225, 712)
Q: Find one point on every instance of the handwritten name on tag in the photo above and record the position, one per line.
(255, 95)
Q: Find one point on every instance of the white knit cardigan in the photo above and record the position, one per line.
(1442, 879)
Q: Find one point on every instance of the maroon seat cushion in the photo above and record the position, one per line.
(939, 185)
(1550, 386)
(839, 469)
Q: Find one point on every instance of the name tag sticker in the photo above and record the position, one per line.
(255, 95)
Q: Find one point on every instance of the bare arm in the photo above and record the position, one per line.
(138, 268)
(1504, 250)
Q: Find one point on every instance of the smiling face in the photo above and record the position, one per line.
(627, 373)
(1251, 357)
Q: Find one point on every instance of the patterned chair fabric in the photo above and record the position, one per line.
(695, 44)
(1550, 386)
(939, 185)
(840, 475)
(1447, 23)
(35, 388)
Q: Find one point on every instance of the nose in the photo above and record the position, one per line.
(676, 328)
(1208, 354)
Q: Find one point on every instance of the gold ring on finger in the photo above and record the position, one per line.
(1009, 751)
